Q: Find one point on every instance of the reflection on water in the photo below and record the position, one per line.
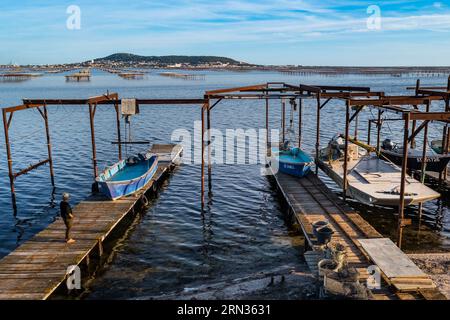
(175, 244)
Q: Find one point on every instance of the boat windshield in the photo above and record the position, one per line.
(375, 165)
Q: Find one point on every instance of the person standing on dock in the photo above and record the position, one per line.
(67, 215)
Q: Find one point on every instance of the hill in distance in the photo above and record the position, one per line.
(167, 60)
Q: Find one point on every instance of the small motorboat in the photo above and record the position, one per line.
(371, 180)
(289, 158)
(127, 176)
(292, 161)
(434, 162)
(436, 145)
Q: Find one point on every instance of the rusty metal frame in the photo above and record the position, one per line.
(278, 91)
(7, 120)
(444, 93)
(92, 102)
(360, 97)
(353, 96)
(395, 104)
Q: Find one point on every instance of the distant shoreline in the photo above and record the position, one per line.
(288, 70)
(123, 62)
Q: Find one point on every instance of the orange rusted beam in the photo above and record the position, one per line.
(238, 89)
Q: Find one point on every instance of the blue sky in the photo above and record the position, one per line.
(308, 32)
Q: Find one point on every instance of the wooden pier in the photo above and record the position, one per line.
(132, 75)
(366, 71)
(183, 76)
(84, 75)
(18, 77)
(37, 268)
(310, 200)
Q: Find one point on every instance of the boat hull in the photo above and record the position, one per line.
(298, 170)
(434, 163)
(292, 166)
(368, 199)
(117, 189)
(437, 146)
(367, 196)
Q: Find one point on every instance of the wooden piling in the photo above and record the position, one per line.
(283, 119)
(379, 124)
(6, 124)
(208, 124)
(92, 109)
(119, 138)
(445, 138)
(203, 158)
(49, 146)
(401, 214)
(268, 146)
(347, 133)
(317, 132)
(300, 122)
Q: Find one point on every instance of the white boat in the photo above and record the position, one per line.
(371, 180)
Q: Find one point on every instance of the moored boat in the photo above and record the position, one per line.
(434, 162)
(371, 180)
(292, 161)
(127, 176)
(436, 145)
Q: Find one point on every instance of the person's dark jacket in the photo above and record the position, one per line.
(66, 210)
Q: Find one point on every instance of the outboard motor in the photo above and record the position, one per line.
(335, 147)
(388, 145)
(286, 145)
(133, 160)
(337, 142)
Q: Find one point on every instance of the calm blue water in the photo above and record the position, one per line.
(175, 244)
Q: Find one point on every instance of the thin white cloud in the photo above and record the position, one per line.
(188, 24)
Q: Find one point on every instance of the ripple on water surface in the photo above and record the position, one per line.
(176, 245)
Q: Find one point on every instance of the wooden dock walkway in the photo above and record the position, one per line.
(39, 266)
(83, 75)
(310, 200)
(132, 75)
(17, 77)
(192, 76)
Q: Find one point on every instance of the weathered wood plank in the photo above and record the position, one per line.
(311, 201)
(390, 259)
(21, 296)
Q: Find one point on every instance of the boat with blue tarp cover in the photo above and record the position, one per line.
(292, 161)
(127, 176)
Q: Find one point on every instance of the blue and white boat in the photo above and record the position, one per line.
(293, 161)
(127, 176)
